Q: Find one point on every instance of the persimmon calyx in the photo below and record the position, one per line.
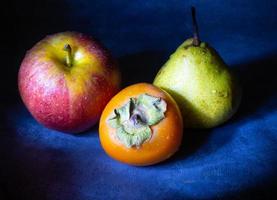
(132, 121)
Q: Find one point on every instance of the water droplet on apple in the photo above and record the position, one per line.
(225, 94)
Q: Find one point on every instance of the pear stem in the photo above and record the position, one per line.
(69, 56)
(196, 40)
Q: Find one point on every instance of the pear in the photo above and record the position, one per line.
(207, 92)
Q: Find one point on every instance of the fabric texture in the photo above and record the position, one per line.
(236, 160)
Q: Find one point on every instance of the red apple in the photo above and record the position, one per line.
(66, 80)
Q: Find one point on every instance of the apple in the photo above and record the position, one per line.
(66, 80)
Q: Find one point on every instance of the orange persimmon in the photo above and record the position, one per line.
(141, 125)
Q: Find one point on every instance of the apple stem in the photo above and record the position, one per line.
(196, 40)
(69, 57)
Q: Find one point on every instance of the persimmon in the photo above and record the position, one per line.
(141, 125)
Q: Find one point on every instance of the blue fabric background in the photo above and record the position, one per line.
(234, 161)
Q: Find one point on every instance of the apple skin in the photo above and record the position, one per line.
(68, 98)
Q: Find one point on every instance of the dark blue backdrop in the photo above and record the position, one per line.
(234, 161)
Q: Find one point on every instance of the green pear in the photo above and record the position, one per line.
(205, 89)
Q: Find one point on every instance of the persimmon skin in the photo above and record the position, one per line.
(166, 135)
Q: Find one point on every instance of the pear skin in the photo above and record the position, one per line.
(206, 91)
